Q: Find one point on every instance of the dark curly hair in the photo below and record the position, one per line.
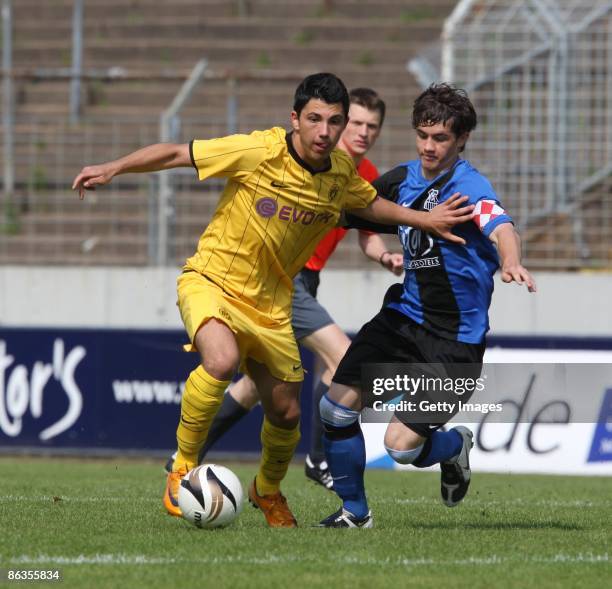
(326, 87)
(441, 103)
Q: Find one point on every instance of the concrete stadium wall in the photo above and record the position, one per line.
(565, 305)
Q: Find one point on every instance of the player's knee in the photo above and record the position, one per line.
(404, 456)
(336, 415)
(326, 377)
(221, 366)
(245, 393)
(339, 353)
(285, 415)
(402, 445)
(333, 356)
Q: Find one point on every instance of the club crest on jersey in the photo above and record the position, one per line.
(333, 191)
(224, 313)
(432, 199)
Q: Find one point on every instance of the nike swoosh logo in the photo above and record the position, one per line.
(276, 184)
(297, 366)
(172, 499)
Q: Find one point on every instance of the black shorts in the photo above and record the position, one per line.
(393, 338)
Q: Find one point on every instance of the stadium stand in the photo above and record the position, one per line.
(136, 56)
(135, 60)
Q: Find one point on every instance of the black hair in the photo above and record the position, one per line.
(369, 99)
(441, 103)
(326, 87)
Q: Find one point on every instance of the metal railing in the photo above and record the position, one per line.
(539, 73)
(169, 132)
(7, 100)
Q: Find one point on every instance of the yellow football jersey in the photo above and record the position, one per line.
(271, 215)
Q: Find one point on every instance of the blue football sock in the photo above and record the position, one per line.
(345, 454)
(440, 446)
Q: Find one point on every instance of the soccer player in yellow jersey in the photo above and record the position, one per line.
(284, 191)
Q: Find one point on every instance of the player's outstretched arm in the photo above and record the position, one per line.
(440, 220)
(373, 246)
(153, 158)
(508, 245)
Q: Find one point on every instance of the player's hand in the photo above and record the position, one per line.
(91, 176)
(520, 275)
(393, 262)
(443, 217)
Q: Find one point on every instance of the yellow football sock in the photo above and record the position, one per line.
(278, 447)
(201, 400)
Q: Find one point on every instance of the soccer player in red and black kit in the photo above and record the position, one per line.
(313, 326)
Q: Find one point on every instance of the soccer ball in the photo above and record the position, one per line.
(210, 496)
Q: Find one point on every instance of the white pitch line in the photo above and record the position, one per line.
(92, 499)
(517, 502)
(141, 559)
(471, 501)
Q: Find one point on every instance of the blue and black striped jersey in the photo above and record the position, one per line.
(447, 287)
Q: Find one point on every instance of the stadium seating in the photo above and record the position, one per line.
(137, 55)
(135, 61)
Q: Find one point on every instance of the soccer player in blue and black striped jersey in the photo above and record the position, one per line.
(439, 316)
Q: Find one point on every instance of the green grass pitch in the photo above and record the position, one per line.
(101, 522)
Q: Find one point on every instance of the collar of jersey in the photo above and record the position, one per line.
(301, 162)
(424, 180)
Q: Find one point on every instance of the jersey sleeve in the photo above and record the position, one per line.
(367, 170)
(489, 214)
(359, 193)
(234, 156)
(387, 187)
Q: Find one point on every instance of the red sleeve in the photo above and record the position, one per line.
(368, 171)
(326, 248)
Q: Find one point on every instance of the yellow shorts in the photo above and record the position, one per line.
(272, 345)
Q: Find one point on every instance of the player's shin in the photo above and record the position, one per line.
(229, 414)
(278, 447)
(201, 400)
(345, 453)
(439, 447)
(316, 452)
